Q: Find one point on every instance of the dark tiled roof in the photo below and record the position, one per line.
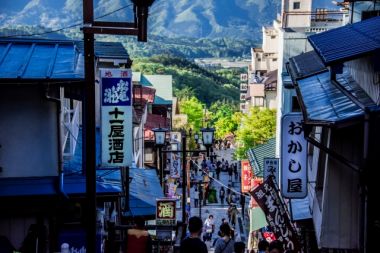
(347, 42)
(305, 64)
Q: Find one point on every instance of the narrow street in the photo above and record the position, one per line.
(218, 210)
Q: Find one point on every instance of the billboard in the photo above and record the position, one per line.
(116, 117)
(165, 212)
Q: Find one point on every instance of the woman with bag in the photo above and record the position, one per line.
(209, 228)
(225, 244)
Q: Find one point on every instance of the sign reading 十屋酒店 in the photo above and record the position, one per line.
(116, 117)
(246, 176)
(165, 212)
(293, 157)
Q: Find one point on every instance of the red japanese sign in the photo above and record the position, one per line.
(246, 176)
(165, 211)
(268, 198)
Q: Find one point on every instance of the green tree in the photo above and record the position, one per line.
(193, 108)
(256, 128)
(222, 118)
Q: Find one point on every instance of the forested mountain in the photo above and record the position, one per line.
(191, 80)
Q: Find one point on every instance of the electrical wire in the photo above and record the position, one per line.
(66, 27)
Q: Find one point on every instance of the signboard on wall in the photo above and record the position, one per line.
(243, 96)
(116, 117)
(293, 157)
(165, 212)
(243, 86)
(271, 168)
(246, 176)
(244, 77)
(277, 216)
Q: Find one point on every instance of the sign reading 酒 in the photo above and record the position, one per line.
(293, 157)
(267, 197)
(271, 168)
(246, 176)
(116, 117)
(165, 212)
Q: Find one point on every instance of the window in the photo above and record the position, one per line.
(259, 101)
(322, 164)
(273, 36)
(258, 59)
(296, 5)
(274, 59)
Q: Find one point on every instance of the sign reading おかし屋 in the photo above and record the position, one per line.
(293, 157)
(116, 117)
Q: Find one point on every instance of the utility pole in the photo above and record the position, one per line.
(90, 27)
(184, 181)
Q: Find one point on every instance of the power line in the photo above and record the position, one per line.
(66, 27)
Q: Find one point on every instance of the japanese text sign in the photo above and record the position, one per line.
(165, 212)
(246, 176)
(271, 168)
(293, 157)
(116, 117)
(244, 77)
(175, 164)
(277, 216)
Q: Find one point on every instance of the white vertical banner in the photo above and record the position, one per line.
(271, 168)
(116, 117)
(293, 157)
(175, 164)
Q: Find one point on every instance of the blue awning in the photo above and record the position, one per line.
(144, 189)
(323, 101)
(48, 186)
(347, 42)
(40, 59)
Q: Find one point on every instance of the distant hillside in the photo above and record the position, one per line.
(189, 79)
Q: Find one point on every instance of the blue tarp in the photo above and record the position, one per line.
(347, 42)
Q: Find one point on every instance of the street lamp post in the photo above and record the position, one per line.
(159, 137)
(208, 137)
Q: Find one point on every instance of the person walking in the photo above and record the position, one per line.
(230, 171)
(233, 213)
(263, 246)
(225, 244)
(138, 238)
(239, 247)
(236, 174)
(193, 243)
(209, 228)
(222, 195)
(196, 197)
(242, 203)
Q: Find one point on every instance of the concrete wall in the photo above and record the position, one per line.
(28, 133)
(271, 99)
(295, 20)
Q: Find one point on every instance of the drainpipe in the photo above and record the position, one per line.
(60, 158)
(363, 184)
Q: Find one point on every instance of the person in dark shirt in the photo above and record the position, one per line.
(193, 243)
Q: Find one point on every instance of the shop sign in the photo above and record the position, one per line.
(268, 198)
(244, 77)
(165, 212)
(243, 86)
(116, 117)
(243, 96)
(246, 176)
(293, 157)
(175, 164)
(271, 168)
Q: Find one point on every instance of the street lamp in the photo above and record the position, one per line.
(159, 138)
(208, 138)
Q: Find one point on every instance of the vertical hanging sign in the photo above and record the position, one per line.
(271, 168)
(293, 157)
(246, 176)
(116, 117)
